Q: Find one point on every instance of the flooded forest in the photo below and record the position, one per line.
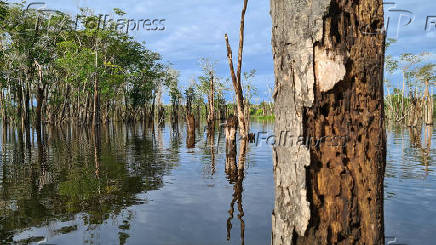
(103, 140)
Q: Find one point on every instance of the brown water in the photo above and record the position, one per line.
(138, 185)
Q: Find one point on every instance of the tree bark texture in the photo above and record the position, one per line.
(328, 59)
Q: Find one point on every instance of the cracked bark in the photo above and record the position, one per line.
(329, 82)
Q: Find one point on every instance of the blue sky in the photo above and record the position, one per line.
(196, 28)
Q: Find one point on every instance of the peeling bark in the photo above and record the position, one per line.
(329, 83)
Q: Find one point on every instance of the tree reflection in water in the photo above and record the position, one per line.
(69, 171)
(235, 174)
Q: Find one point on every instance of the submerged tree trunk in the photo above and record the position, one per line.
(328, 58)
(27, 105)
(19, 101)
(230, 129)
(39, 99)
(190, 138)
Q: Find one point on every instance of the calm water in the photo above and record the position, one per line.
(410, 186)
(139, 187)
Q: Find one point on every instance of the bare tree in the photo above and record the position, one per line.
(236, 78)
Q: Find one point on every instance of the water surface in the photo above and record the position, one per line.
(140, 185)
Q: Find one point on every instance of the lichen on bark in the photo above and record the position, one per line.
(297, 25)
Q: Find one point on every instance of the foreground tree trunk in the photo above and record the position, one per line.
(328, 58)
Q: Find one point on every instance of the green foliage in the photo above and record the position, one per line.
(426, 73)
(67, 62)
(418, 77)
(3, 12)
(248, 85)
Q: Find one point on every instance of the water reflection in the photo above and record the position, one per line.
(74, 173)
(235, 174)
(139, 183)
(130, 183)
(410, 184)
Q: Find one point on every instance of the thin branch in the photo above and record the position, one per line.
(241, 41)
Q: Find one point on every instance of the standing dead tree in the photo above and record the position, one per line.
(230, 129)
(428, 105)
(236, 78)
(328, 62)
(190, 120)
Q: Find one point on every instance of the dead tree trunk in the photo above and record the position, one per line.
(232, 124)
(190, 138)
(428, 105)
(328, 58)
(236, 78)
(39, 96)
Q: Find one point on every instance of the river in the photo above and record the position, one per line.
(139, 185)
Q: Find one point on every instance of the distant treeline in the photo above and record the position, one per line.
(412, 103)
(95, 75)
(53, 75)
